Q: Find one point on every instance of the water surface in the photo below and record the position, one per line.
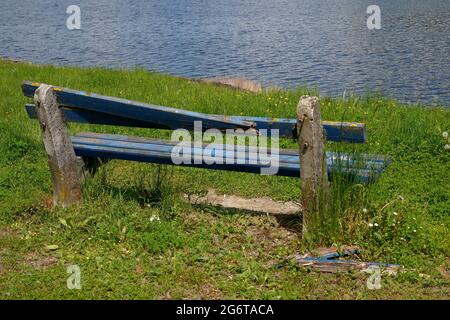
(319, 43)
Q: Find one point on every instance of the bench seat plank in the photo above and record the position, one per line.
(110, 146)
(285, 155)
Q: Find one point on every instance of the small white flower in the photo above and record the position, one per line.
(395, 213)
(365, 210)
(414, 230)
(445, 135)
(371, 225)
(375, 224)
(154, 217)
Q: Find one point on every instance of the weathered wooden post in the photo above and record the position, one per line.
(313, 170)
(62, 160)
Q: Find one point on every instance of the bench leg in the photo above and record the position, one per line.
(61, 156)
(313, 172)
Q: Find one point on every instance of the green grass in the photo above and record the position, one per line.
(192, 252)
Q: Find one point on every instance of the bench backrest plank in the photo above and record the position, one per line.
(160, 115)
(335, 131)
(79, 106)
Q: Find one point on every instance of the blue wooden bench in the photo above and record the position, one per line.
(84, 107)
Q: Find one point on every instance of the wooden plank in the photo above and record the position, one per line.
(159, 151)
(336, 156)
(312, 158)
(157, 115)
(330, 260)
(79, 109)
(333, 266)
(92, 117)
(335, 131)
(285, 155)
(285, 169)
(58, 145)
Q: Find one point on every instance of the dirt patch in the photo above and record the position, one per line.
(48, 203)
(254, 205)
(271, 235)
(236, 83)
(209, 292)
(8, 233)
(38, 261)
(444, 270)
(14, 60)
(264, 229)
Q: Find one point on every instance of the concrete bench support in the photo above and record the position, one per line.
(62, 160)
(312, 157)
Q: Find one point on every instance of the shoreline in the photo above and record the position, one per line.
(238, 83)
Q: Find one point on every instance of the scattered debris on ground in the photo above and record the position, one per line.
(330, 260)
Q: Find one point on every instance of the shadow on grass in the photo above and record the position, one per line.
(151, 187)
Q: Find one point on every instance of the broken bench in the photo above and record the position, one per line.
(54, 106)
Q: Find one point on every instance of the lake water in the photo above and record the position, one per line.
(324, 44)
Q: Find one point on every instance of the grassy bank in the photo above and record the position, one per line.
(125, 252)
